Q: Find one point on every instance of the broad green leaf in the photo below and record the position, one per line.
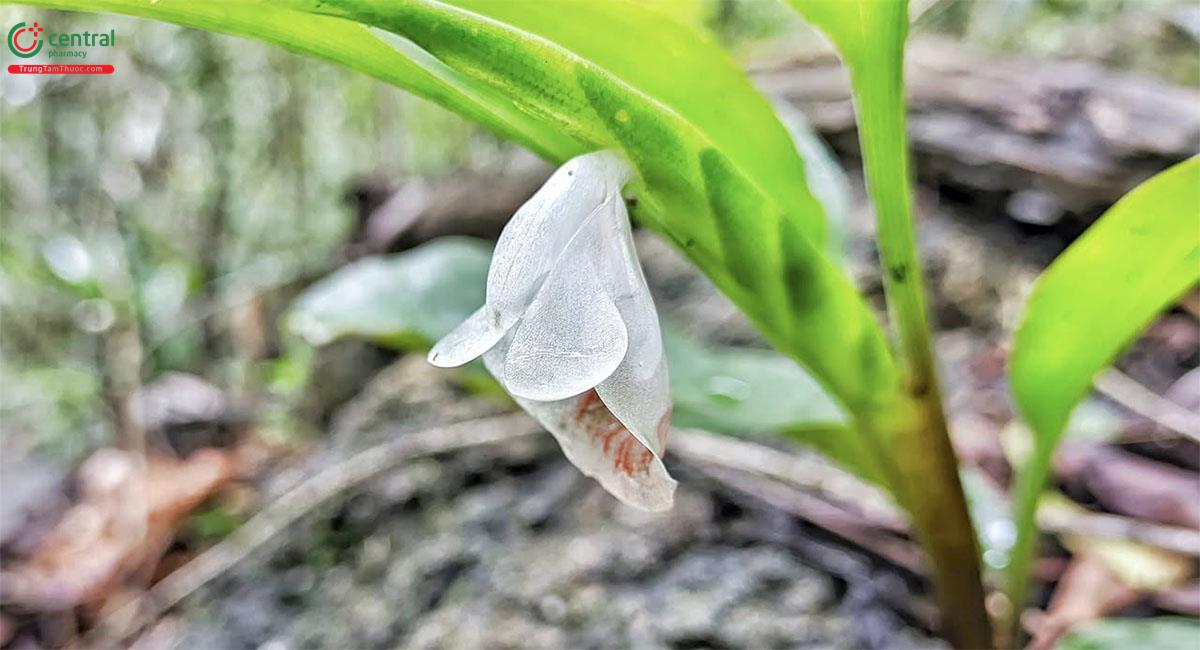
(748, 224)
(1140, 256)
(405, 300)
(687, 71)
(743, 391)
(1159, 633)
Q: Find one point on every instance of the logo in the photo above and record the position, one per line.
(24, 41)
(27, 41)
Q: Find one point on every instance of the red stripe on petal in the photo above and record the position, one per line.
(608, 436)
(626, 453)
(586, 403)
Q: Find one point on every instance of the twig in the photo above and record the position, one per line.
(786, 482)
(1122, 389)
(841, 487)
(800, 471)
(849, 526)
(296, 503)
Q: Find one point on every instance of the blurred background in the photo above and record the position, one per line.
(219, 269)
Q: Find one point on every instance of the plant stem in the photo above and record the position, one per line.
(1027, 487)
(929, 483)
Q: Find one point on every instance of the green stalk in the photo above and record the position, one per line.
(929, 486)
(1030, 481)
(908, 423)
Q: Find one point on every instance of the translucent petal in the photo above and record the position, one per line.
(640, 397)
(619, 263)
(602, 448)
(638, 392)
(572, 336)
(536, 236)
(597, 442)
(470, 339)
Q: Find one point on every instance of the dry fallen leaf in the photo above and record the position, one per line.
(1105, 576)
(1088, 590)
(125, 518)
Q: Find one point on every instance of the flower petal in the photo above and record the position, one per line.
(536, 237)
(641, 399)
(602, 447)
(638, 392)
(572, 336)
(470, 339)
(597, 443)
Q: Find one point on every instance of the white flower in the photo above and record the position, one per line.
(569, 329)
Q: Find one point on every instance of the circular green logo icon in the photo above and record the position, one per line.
(25, 41)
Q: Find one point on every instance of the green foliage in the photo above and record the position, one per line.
(688, 72)
(745, 391)
(1131, 264)
(1160, 633)
(415, 297)
(1135, 261)
(905, 443)
(870, 37)
(866, 32)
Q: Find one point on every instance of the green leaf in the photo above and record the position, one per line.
(405, 301)
(1135, 261)
(1138, 258)
(742, 214)
(864, 31)
(687, 72)
(1160, 633)
(870, 37)
(743, 391)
